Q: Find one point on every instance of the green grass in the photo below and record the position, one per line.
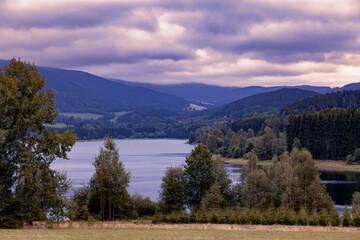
(83, 115)
(139, 234)
(60, 125)
(333, 165)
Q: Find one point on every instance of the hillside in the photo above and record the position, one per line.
(78, 91)
(340, 99)
(216, 95)
(262, 102)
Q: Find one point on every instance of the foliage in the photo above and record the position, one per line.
(292, 182)
(173, 190)
(340, 99)
(346, 218)
(201, 183)
(105, 197)
(234, 139)
(199, 177)
(249, 217)
(262, 102)
(355, 202)
(143, 207)
(30, 190)
(329, 134)
(111, 180)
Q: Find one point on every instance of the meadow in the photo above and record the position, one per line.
(189, 231)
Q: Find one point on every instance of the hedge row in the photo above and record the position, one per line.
(257, 217)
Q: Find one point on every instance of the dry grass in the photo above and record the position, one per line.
(121, 230)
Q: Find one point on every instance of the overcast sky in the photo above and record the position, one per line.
(223, 42)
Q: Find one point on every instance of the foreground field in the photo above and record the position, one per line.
(173, 232)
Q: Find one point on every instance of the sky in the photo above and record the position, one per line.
(222, 42)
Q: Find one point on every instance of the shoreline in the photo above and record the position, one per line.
(323, 165)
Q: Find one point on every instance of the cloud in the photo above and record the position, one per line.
(229, 42)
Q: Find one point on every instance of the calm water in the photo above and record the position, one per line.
(147, 159)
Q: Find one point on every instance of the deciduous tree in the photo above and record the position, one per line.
(27, 148)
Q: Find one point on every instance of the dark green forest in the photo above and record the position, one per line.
(329, 134)
(340, 99)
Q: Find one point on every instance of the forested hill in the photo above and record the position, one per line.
(263, 102)
(217, 95)
(78, 91)
(340, 99)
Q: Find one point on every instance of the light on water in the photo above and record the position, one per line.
(146, 159)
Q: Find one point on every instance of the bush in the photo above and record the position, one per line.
(214, 218)
(334, 218)
(357, 155)
(349, 159)
(356, 221)
(346, 219)
(302, 217)
(314, 219)
(322, 220)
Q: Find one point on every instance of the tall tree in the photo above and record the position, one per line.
(111, 180)
(27, 148)
(198, 170)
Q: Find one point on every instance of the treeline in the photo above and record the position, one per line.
(288, 192)
(236, 138)
(329, 134)
(341, 99)
(132, 125)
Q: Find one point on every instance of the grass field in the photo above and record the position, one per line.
(83, 115)
(333, 165)
(171, 234)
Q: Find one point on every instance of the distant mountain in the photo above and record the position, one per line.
(262, 102)
(340, 99)
(351, 86)
(78, 91)
(216, 95)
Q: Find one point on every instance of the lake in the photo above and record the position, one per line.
(147, 160)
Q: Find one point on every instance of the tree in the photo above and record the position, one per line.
(173, 190)
(198, 170)
(111, 180)
(27, 147)
(355, 202)
(346, 218)
(357, 155)
(292, 182)
(213, 198)
(143, 206)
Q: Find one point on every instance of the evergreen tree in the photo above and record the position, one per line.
(28, 185)
(346, 218)
(355, 202)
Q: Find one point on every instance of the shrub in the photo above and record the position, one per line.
(346, 219)
(349, 159)
(356, 220)
(302, 217)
